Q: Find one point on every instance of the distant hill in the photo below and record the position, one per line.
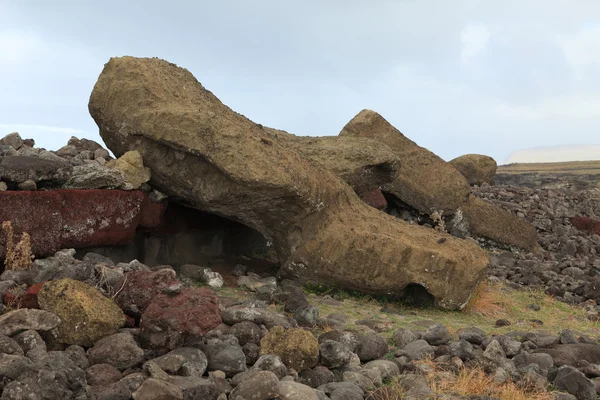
(576, 174)
(555, 154)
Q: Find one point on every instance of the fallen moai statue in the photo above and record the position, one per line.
(204, 154)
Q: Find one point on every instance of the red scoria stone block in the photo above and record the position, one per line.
(586, 224)
(375, 198)
(30, 298)
(65, 218)
(181, 320)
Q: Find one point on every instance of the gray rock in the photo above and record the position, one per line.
(415, 386)
(361, 380)
(28, 340)
(21, 168)
(574, 382)
(348, 338)
(134, 381)
(462, 349)
(334, 354)
(25, 319)
(3, 186)
(95, 176)
(113, 391)
(245, 332)
(332, 387)
(12, 139)
(252, 352)
(29, 184)
(153, 389)
(67, 151)
(77, 354)
(62, 367)
(403, 336)
(316, 376)
(261, 386)
(7, 151)
(495, 353)
(510, 346)
(119, 350)
(11, 366)
(307, 316)
(387, 369)
(543, 360)
(273, 363)
(102, 375)
(566, 336)
(418, 350)
(296, 391)
(184, 361)
(10, 346)
(371, 346)
(225, 354)
(436, 335)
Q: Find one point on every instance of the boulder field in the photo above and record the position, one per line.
(206, 155)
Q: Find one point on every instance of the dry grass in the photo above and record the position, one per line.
(471, 382)
(18, 256)
(488, 301)
(570, 167)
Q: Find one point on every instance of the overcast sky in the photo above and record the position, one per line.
(460, 76)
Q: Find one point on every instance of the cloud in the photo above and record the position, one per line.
(556, 154)
(582, 49)
(17, 47)
(579, 106)
(44, 128)
(474, 38)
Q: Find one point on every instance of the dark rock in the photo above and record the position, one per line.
(245, 332)
(225, 354)
(371, 346)
(119, 350)
(472, 335)
(403, 336)
(25, 319)
(317, 376)
(575, 383)
(262, 386)
(334, 354)
(436, 335)
(418, 350)
(102, 375)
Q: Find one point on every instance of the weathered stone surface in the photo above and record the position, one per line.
(491, 222)
(236, 169)
(86, 315)
(571, 354)
(25, 319)
(139, 288)
(131, 165)
(153, 389)
(362, 163)
(119, 350)
(297, 348)
(173, 321)
(21, 168)
(262, 386)
(476, 168)
(424, 180)
(12, 139)
(58, 219)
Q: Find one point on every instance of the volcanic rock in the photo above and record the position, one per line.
(202, 152)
